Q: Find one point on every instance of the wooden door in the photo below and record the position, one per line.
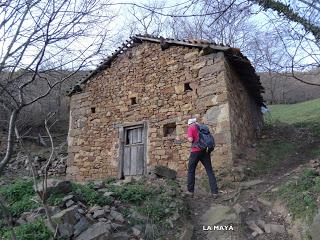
(133, 154)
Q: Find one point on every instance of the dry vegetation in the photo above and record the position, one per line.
(283, 88)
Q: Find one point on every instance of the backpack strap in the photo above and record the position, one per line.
(195, 144)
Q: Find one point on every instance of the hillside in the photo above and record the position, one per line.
(282, 88)
(308, 111)
(304, 114)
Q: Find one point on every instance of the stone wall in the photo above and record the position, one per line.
(246, 119)
(157, 80)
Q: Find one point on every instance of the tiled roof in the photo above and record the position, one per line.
(240, 63)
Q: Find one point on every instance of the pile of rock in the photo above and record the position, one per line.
(75, 220)
(80, 222)
(57, 167)
(315, 165)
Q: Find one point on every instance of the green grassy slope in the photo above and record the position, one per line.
(283, 137)
(300, 196)
(305, 114)
(308, 111)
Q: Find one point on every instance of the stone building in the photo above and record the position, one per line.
(131, 112)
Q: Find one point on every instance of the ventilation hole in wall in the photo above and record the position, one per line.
(169, 129)
(93, 110)
(187, 87)
(133, 100)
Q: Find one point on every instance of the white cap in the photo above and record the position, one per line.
(191, 120)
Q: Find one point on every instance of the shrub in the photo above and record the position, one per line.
(17, 190)
(25, 204)
(134, 193)
(29, 231)
(91, 197)
(19, 197)
(109, 180)
(158, 208)
(55, 199)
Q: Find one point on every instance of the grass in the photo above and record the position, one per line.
(275, 149)
(272, 152)
(315, 152)
(55, 199)
(152, 201)
(87, 194)
(29, 231)
(109, 180)
(301, 196)
(158, 208)
(135, 192)
(157, 202)
(19, 197)
(304, 114)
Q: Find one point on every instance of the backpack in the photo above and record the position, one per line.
(206, 140)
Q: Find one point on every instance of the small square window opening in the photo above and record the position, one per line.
(187, 87)
(93, 110)
(133, 100)
(169, 129)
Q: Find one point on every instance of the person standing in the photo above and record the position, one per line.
(202, 145)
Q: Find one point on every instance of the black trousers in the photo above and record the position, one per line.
(205, 159)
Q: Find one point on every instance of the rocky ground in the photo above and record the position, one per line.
(243, 210)
(248, 209)
(253, 206)
(39, 155)
(147, 208)
(156, 207)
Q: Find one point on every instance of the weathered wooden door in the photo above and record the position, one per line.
(133, 151)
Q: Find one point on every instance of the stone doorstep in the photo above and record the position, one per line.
(100, 230)
(254, 227)
(218, 213)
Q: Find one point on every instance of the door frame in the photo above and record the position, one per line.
(122, 133)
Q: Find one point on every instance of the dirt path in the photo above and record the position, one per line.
(199, 204)
(255, 207)
(249, 199)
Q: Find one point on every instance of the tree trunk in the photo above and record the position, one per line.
(10, 139)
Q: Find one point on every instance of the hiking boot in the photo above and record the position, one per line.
(214, 195)
(190, 194)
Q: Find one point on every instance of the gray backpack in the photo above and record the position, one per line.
(206, 140)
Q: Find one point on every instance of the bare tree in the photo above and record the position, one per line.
(234, 22)
(307, 17)
(146, 22)
(36, 34)
(229, 25)
(44, 177)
